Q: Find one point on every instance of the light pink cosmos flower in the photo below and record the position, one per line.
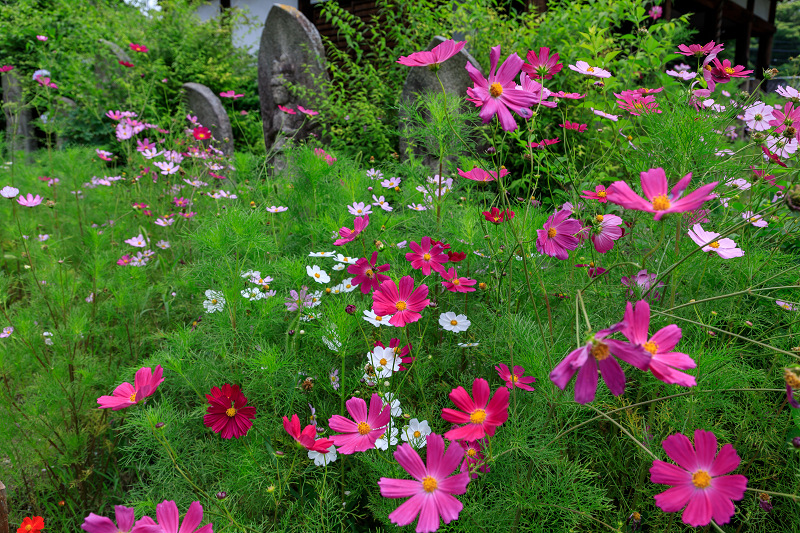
(367, 275)
(348, 235)
(655, 12)
(698, 480)
(497, 95)
(786, 305)
(758, 116)
(391, 183)
(278, 209)
(381, 202)
(641, 283)
(138, 241)
(105, 156)
(425, 256)
(145, 384)
(403, 303)
(599, 353)
(527, 84)
(481, 415)
(431, 491)
(787, 92)
(608, 230)
(558, 235)
(437, 55)
(41, 37)
(664, 363)
(9, 192)
(515, 378)
(6, 332)
(542, 65)
(478, 174)
(310, 113)
(582, 67)
(711, 242)
(682, 74)
(661, 202)
(453, 283)
(781, 148)
(167, 167)
(359, 209)
(603, 114)
(366, 427)
(29, 200)
(755, 220)
(169, 520)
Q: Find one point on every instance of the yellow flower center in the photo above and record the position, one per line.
(477, 417)
(383, 362)
(514, 378)
(347, 286)
(133, 398)
(472, 452)
(551, 232)
(601, 194)
(636, 516)
(701, 479)
(599, 218)
(400, 306)
(417, 434)
(456, 282)
(600, 351)
(714, 244)
(495, 89)
(369, 273)
(427, 257)
(363, 428)
(661, 202)
(429, 484)
(359, 210)
(454, 322)
(316, 275)
(379, 318)
(231, 412)
(651, 347)
(630, 138)
(590, 69)
(729, 71)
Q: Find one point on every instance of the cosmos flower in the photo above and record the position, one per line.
(582, 67)
(515, 378)
(360, 433)
(481, 415)
(426, 256)
(478, 174)
(599, 194)
(558, 235)
(607, 230)
(145, 384)
(711, 242)
(453, 282)
(437, 55)
(402, 303)
(367, 275)
(542, 66)
(227, 412)
(348, 235)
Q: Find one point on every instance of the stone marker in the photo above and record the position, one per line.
(206, 105)
(290, 54)
(107, 68)
(19, 131)
(421, 80)
(64, 107)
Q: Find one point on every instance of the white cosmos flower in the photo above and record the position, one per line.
(317, 274)
(467, 344)
(385, 361)
(346, 259)
(415, 432)
(253, 293)
(322, 459)
(384, 440)
(390, 399)
(338, 266)
(337, 289)
(376, 320)
(455, 323)
(215, 301)
(9, 192)
(322, 254)
(347, 285)
(316, 299)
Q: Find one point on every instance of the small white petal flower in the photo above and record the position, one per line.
(317, 274)
(415, 432)
(455, 323)
(215, 301)
(322, 459)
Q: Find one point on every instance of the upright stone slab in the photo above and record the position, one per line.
(19, 131)
(290, 54)
(422, 80)
(203, 103)
(107, 68)
(63, 109)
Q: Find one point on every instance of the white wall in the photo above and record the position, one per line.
(245, 35)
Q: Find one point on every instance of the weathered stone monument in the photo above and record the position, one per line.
(291, 61)
(19, 130)
(203, 103)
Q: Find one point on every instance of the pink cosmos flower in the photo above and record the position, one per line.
(580, 128)
(105, 156)
(542, 66)
(307, 437)
(29, 200)
(661, 202)
(583, 67)
(603, 114)
(308, 112)
(287, 110)
(545, 142)
(366, 275)
(756, 220)
(124, 260)
(349, 235)
(453, 283)
(231, 94)
(722, 72)
(474, 461)
(44, 81)
(482, 416)
(138, 241)
(569, 96)
(144, 384)
(541, 94)
(425, 256)
(497, 95)
(655, 12)
(558, 235)
(515, 378)
(125, 520)
(366, 427)
(138, 48)
(698, 50)
(698, 480)
(169, 519)
(478, 174)
(711, 242)
(788, 117)
(599, 194)
(437, 55)
(295, 299)
(403, 304)
(664, 363)
(758, 116)
(641, 283)
(599, 353)
(637, 104)
(41, 37)
(607, 231)
(228, 413)
(6, 68)
(431, 491)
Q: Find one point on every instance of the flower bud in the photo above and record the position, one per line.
(221, 495)
(770, 73)
(160, 425)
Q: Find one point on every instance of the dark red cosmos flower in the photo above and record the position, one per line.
(126, 64)
(545, 142)
(307, 437)
(367, 275)
(228, 413)
(138, 48)
(773, 157)
(219, 177)
(495, 216)
(455, 257)
(201, 133)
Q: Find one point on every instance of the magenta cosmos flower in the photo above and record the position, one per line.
(700, 50)
(515, 378)
(599, 194)
(403, 303)
(498, 95)
(789, 117)
(478, 174)
(228, 413)
(481, 416)
(698, 480)
(453, 283)
(542, 65)
(367, 275)
(660, 201)
(100, 524)
(607, 230)
(29, 200)
(599, 353)
(144, 384)
(663, 361)
(439, 54)
(558, 235)
(348, 235)
(711, 242)
(169, 519)
(426, 256)
(722, 72)
(307, 437)
(366, 427)
(431, 491)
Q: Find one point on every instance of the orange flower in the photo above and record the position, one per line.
(31, 525)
